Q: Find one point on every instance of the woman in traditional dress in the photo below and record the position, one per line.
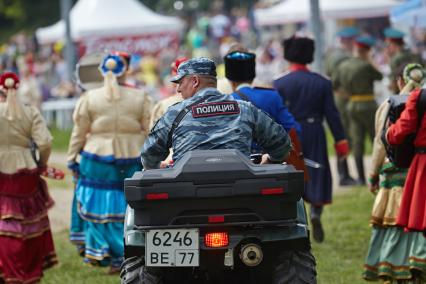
(26, 245)
(110, 125)
(412, 215)
(394, 255)
(309, 97)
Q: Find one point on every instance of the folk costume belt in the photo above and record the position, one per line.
(361, 98)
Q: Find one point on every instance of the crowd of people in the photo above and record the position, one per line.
(114, 122)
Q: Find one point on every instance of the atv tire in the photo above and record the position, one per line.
(133, 271)
(295, 267)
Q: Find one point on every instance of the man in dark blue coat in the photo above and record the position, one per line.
(309, 97)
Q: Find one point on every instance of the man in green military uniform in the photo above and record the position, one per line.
(398, 54)
(334, 58)
(356, 76)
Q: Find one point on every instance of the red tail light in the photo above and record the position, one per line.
(272, 191)
(216, 240)
(216, 219)
(157, 196)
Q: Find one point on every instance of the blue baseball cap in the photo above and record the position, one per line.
(195, 66)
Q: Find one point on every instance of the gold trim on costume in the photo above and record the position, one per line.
(23, 236)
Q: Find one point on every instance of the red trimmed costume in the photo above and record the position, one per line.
(412, 214)
(26, 245)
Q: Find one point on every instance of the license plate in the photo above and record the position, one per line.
(175, 247)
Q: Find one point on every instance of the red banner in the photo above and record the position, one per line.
(142, 44)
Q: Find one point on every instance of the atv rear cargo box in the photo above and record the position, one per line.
(207, 182)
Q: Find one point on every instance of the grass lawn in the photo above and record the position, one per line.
(339, 258)
(61, 139)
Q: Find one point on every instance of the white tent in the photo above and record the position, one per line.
(110, 18)
(293, 11)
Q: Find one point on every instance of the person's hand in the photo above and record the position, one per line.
(373, 183)
(41, 169)
(342, 148)
(75, 169)
(265, 159)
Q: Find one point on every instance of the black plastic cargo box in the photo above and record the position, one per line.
(205, 183)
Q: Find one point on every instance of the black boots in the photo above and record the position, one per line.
(317, 229)
(343, 170)
(360, 168)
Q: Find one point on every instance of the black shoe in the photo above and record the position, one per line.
(318, 232)
(347, 181)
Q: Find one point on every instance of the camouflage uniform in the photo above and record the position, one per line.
(217, 122)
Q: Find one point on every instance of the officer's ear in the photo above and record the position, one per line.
(196, 81)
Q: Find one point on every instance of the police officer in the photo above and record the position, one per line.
(356, 77)
(398, 54)
(335, 57)
(211, 120)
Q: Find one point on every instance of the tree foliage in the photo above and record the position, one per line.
(26, 15)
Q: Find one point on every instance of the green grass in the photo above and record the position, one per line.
(330, 143)
(61, 139)
(71, 269)
(339, 258)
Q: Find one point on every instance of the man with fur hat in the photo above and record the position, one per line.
(309, 97)
(356, 77)
(240, 69)
(240, 66)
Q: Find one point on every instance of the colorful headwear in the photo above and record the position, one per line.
(111, 67)
(87, 72)
(348, 32)
(240, 66)
(414, 76)
(9, 82)
(195, 66)
(365, 41)
(125, 55)
(299, 49)
(176, 63)
(394, 35)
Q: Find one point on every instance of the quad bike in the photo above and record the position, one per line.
(216, 217)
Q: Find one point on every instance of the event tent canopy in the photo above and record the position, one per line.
(110, 18)
(293, 11)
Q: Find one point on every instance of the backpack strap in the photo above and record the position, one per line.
(178, 119)
(242, 96)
